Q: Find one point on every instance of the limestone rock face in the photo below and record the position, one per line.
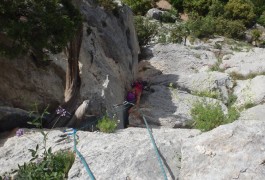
(169, 107)
(254, 113)
(232, 151)
(250, 91)
(109, 57)
(125, 154)
(175, 72)
(245, 63)
(23, 84)
(108, 63)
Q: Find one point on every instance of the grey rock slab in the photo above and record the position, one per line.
(125, 154)
(245, 62)
(232, 151)
(254, 113)
(178, 59)
(169, 107)
(250, 91)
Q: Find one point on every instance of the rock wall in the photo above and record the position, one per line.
(108, 62)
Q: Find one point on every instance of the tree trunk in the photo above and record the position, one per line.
(73, 82)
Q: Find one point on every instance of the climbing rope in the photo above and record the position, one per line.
(151, 137)
(72, 131)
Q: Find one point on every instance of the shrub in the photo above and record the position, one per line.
(202, 26)
(145, 30)
(210, 115)
(201, 7)
(33, 26)
(261, 19)
(216, 9)
(229, 28)
(139, 7)
(55, 166)
(177, 4)
(240, 10)
(207, 115)
(107, 125)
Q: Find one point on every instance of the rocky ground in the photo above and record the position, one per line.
(177, 75)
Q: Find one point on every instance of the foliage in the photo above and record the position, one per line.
(108, 5)
(207, 115)
(107, 125)
(233, 114)
(37, 25)
(240, 10)
(139, 7)
(53, 166)
(201, 7)
(256, 34)
(145, 30)
(216, 9)
(169, 16)
(202, 26)
(210, 115)
(230, 28)
(210, 94)
(38, 117)
(261, 19)
(177, 4)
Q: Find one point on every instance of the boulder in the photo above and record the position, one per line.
(125, 154)
(9, 116)
(232, 151)
(245, 63)
(254, 113)
(251, 91)
(154, 13)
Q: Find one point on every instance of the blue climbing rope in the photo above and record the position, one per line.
(80, 155)
(152, 140)
(156, 149)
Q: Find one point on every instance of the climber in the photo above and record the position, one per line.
(134, 96)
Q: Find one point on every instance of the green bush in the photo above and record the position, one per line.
(202, 26)
(207, 115)
(107, 125)
(201, 7)
(170, 16)
(33, 25)
(145, 30)
(177, 4)
(240, 10)
(210, 115)
(216, 9)
(139, 7)
(229, 28)
(261, 19)
(55, 166)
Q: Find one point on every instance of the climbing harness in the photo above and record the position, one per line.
(70, 132)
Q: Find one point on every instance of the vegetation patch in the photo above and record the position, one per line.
(238, 76)
(53, 166)
(107, 125)
(210, 94)
(208, 115)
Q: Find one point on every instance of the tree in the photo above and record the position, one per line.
(201, 7)
(36, 26)
(242, 10)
